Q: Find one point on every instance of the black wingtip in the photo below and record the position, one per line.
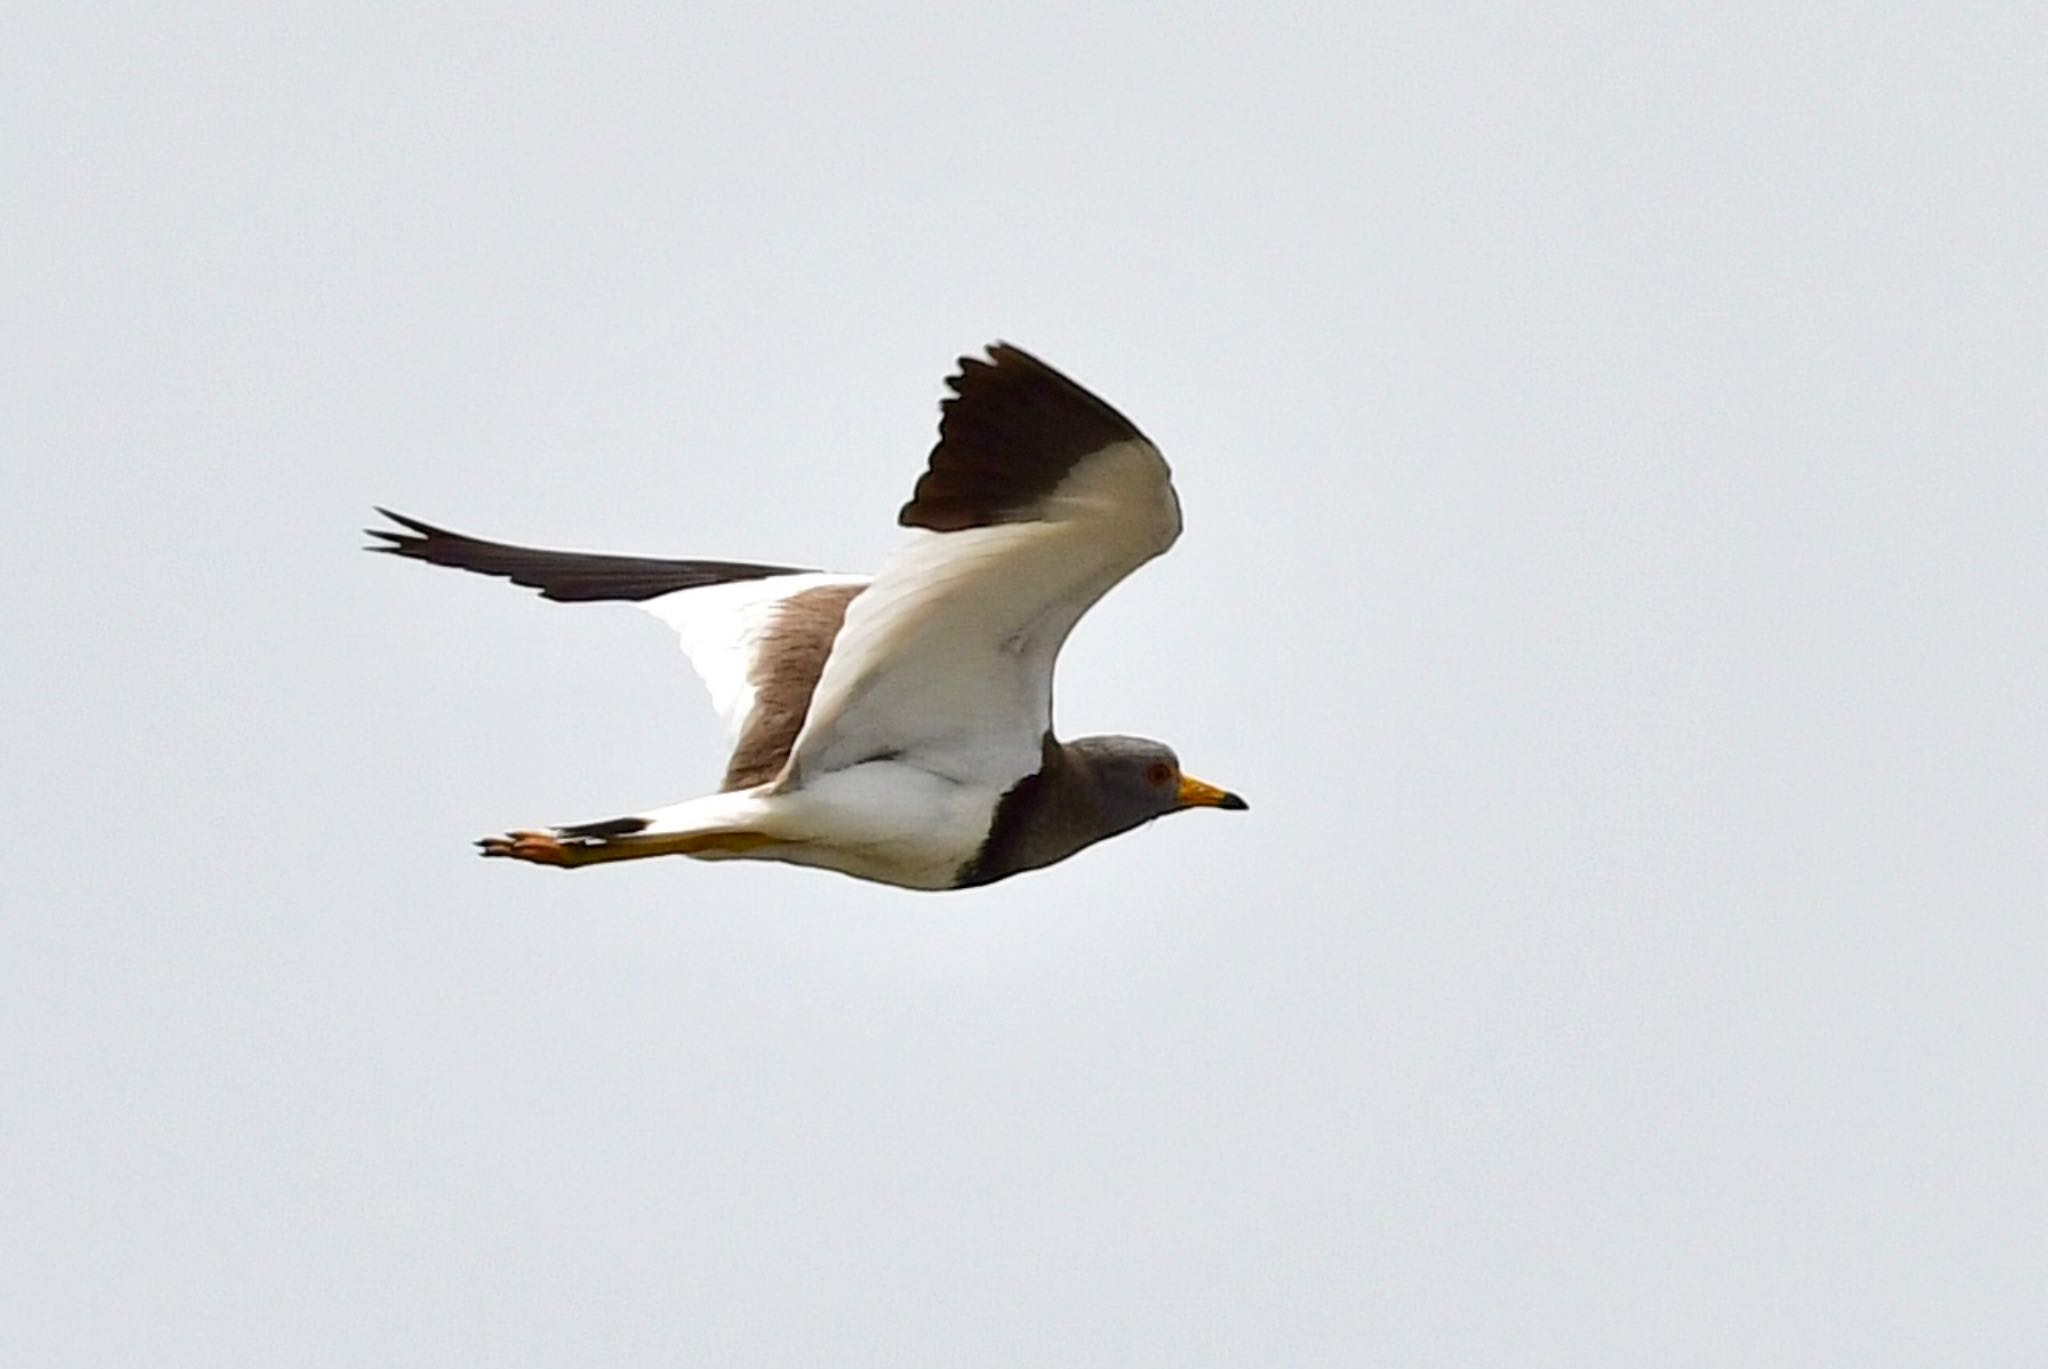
(1011, 429)
(399, 543)
(394, 542)
(564, 576)
(414, 524)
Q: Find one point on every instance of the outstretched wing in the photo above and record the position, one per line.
(1039, 497)
(569, 577)
(757, 635)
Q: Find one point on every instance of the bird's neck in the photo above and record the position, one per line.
(1044, 818)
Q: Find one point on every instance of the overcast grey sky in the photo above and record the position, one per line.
(1612, 451)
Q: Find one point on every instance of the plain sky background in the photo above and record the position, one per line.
(1612, 443)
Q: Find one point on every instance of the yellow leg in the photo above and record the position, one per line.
(545, 848)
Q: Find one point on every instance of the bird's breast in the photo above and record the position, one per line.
(889, 820)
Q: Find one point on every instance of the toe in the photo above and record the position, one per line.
(537, 848)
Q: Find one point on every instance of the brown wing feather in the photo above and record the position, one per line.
(784, 672)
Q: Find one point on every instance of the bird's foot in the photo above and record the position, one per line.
(568, 847)
(535, 848)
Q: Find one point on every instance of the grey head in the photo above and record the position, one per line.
(1086, 790)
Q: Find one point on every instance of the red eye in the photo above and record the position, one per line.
(1158, 774)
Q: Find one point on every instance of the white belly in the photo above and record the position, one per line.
(883, 820)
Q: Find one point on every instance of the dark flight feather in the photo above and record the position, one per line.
(1013, 430)
(564, 576)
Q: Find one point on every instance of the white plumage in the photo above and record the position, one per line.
(722, 628)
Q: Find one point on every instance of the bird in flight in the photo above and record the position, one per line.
(898, 727)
